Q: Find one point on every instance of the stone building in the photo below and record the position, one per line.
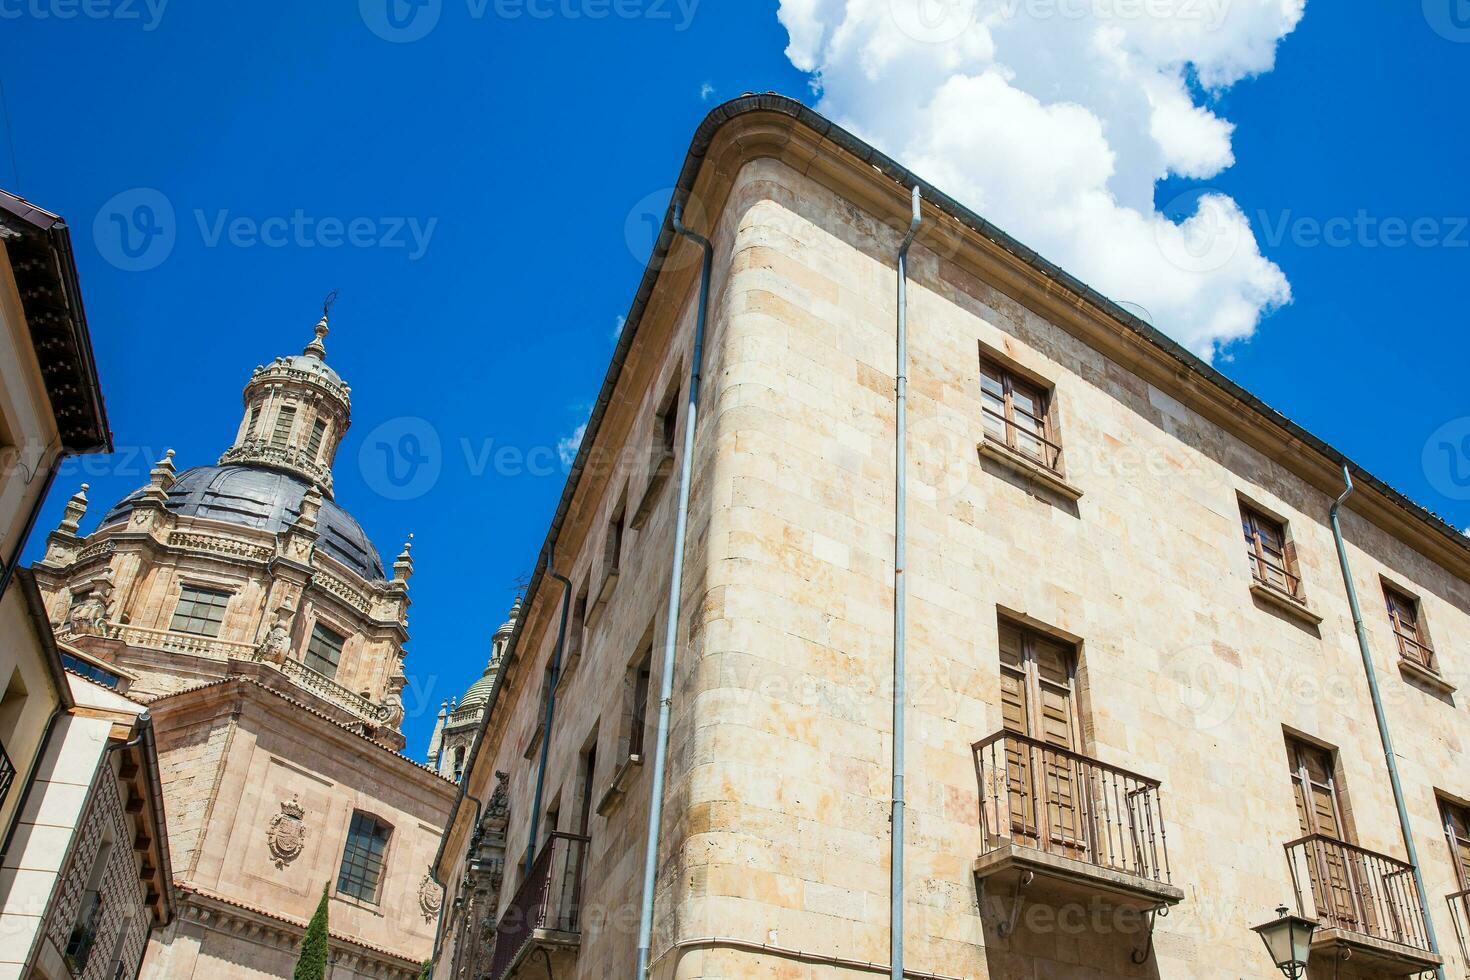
(83, 869)
(266, 638)
(460, 721)
(1138, 716)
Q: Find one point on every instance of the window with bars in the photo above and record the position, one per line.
(666, 424)
(285, 421)
(250, 422)
(200, 611)
(1272, 556)
(1016, 414)
(362, 858)
(612, 552)
(1408, 627)
(314, 444)
(324, 651)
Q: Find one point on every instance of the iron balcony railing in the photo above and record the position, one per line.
(1037, 795)
(1459, 904)
(7, 773)
(550, 899)
(1356, 890)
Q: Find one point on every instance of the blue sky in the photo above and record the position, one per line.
(501, 175)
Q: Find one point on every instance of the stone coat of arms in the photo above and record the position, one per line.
(431, 897)
(287, 833)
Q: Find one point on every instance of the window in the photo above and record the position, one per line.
(1403, 612)
(1457, 835)
(250, 421)
(1038, 680)
(665, 425)
(613, 551)
(1272, 556)
(89, 915)
(642, 673)
(200, 611)
(362, 858)
(314, 444)
(285, 420)
(1015, 414)
(324, 652)
(1319, 806)
(458, 763)
(579, 625)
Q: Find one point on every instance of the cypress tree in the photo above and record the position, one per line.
(312, 963)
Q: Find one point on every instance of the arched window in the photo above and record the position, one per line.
(458, 763)
(362, 858)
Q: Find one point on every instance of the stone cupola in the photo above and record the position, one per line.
(297, 410)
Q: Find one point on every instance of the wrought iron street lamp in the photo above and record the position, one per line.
(1288, 939)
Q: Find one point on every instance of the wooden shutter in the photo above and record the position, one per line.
(1335, 881)
(1457, 833)
(1038, 676)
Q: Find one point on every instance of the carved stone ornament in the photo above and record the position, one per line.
(276, 644)
(91, 614)
(431, 898)
(287, 833)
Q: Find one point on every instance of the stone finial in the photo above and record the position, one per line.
(316, 348)
(311, 506)
(163, 474)
(76, 509)
(403, 564)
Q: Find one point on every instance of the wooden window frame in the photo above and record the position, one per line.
(284, 427)
(188, 591)
(1414, 643)
(1449, 810)
(1253, 520)
(306, 657)
(1041, 393)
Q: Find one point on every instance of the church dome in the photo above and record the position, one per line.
(266, 500)
(479, 691)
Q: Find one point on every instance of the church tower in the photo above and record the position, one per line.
(255, 618)
(459, 722)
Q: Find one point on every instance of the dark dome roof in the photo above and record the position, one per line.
(266, 500)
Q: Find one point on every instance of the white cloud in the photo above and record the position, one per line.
(618, 325)
(1056, 119)
(566, 446)
(705, 91)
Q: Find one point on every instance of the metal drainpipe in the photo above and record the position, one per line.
(676, 578)
(900, 595)
(550, 716)
(1388, 754)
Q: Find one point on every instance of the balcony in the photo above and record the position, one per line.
(1459, 904)
(1365, 903)
(545, 915)
(1079, 827)
(7, 773)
